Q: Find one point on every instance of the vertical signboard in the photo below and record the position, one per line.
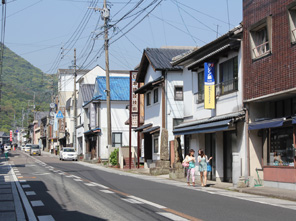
(133, 111)
(10, 135)
(209, 87)
(62, 120)
(92, 116)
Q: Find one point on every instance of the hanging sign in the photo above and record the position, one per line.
(209, 87)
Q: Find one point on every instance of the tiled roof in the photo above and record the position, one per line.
(119, 87)
(87, 91)
(159, 59)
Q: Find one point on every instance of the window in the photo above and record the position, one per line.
(228, 76)
(177, 121)
(148, 98)
(155, 100)
(260, 37)
(292, 23)
(155, 142)
(116, 139)
(178, 93)
(281, 147)
(200, 83)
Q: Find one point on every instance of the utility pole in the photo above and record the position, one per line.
(105, 14)
(75, 102)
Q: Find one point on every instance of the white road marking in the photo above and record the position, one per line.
(78, 180)
(132, 201)
(106, 191)
(148, 202)
(30, 193)
(100, 185)
(37, 203)
(62, 173)
(89, 184)
(26, 186)
(46, 218)
(22, 181)
(18, 174)
(172, 216)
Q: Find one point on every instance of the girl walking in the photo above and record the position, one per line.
(203, 160)
(190, 172)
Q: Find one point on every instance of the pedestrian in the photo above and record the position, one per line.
(203, 160)
(191, 169)
(2, 147)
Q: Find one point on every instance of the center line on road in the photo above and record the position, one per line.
(132, 201)
(78, 180)
(30, 193)
(172, 216)
(148, 202)
(106, 191)
(26, 186)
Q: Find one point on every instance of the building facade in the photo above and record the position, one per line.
(269, 89)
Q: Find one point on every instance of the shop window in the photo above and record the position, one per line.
(155, 145)
(292, 23)
(228, 81)
(155, 100)
(281, 147)
(178, 93)
(116, 139)
(148, 99)
(260, 37)
(200, 83)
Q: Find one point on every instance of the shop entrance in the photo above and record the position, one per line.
(147, 146)
(210, 151)
(229, 142)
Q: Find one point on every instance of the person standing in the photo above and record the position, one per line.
(203, 160)
(191, 169)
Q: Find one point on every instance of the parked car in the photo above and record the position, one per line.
(23, 147)
(35, 150)
(28, 148)
(68, 154)
(7, 146)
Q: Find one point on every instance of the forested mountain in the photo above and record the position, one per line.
(20, 80)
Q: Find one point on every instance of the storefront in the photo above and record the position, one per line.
(278, 150)
(91, 143)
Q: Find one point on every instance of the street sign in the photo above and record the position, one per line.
(52, 113)
(52, 105)
(60, 115)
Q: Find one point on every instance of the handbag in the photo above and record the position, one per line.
(185, 164)
(209, 168)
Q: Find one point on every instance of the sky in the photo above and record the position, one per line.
(45, 32)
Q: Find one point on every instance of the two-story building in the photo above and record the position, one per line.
(220, 129)
(163, 102)
(269, 54)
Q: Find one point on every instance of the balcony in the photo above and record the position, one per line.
(222, 88)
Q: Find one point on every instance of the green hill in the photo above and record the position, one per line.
(20, 80)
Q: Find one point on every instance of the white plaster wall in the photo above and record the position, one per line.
(151, 75)
(187, 92)
(119, 114)
(154, 110)
(66, 82)
(174, 109)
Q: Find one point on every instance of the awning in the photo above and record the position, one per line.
(92, 131)
(139, 129)
(152, 130)
(149, 85)
(276, 122)
(293, 120)
(204, 128)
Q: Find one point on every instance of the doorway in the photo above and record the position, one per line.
(147, 146)
(229, 142)
(210, 151)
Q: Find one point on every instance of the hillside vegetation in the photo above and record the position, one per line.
(20, 80)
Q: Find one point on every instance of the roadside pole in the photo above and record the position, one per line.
(75, 102)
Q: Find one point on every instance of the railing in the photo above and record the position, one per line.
(227, 87)
(222, 88)
(261, 49)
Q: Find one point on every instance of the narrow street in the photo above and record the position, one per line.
(66, 190)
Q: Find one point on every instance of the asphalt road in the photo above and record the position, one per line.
(72, 191)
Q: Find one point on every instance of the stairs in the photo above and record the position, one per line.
(126, 163)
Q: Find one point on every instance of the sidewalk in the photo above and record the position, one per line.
(10, 204)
